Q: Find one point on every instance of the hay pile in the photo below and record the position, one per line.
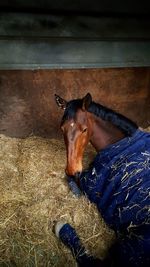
(33, 194)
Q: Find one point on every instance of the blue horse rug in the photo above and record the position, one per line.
(118, 182)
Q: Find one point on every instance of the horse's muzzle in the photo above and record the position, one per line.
(71, 172)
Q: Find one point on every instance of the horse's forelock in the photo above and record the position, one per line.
(71, 109)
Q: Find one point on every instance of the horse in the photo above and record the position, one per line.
(117, 181)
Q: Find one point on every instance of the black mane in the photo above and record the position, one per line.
(122, 122)
(127, 126)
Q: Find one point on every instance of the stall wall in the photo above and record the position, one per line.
(27, 104)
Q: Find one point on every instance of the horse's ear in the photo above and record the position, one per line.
(86, 101)
(60, 102)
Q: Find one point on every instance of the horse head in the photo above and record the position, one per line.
(77, 128)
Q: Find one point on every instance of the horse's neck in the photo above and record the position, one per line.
(104, 133)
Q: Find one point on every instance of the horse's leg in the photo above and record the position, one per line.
(69, 237)
(74, 186)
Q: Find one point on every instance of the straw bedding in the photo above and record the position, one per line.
(34, 194)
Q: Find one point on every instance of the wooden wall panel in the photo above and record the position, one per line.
(27, 103)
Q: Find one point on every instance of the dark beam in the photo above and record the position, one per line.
(39, 41)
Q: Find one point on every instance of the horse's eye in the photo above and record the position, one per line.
(84, 130)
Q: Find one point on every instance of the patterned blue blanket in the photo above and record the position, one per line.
(118, 182)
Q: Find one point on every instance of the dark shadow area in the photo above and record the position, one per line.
(83, 7)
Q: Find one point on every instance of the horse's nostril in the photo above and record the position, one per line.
(72, 173)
